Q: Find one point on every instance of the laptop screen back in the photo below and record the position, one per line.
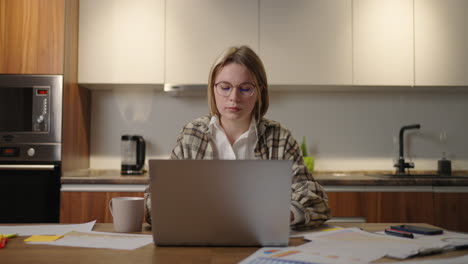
(220, 202)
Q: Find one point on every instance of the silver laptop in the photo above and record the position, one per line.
(220, 202)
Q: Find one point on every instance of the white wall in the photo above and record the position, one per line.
(344, 130)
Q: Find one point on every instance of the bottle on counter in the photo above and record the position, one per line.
(444, 166)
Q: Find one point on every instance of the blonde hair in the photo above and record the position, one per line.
(246, 57)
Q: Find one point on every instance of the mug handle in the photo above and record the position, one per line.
(110, 207)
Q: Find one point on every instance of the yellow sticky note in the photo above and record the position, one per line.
(9, 235)
(331, 229)
(42, 238)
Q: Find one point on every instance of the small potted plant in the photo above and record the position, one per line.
(308, 161)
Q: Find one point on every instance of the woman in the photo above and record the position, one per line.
(236, 129)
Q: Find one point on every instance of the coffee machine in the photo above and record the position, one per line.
(133, 154)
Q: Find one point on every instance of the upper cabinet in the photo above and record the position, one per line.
(306, 42)
(198, 31)
(121, 41)
(31, 37)
(441, 42)
(383, 42)
(301, 42)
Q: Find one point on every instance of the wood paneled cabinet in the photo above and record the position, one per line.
(383, 207)
(446, 210)
(451, 210)
(81, 207)
(32, 36)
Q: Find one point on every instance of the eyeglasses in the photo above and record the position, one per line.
(225, 89)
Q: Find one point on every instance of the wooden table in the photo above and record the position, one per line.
(19, 252)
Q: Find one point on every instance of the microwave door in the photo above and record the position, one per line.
(16, 110)
(30, 118)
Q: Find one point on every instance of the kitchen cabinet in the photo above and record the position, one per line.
(451, 210)
(32, 36)
(347, 204)
(383, 42)
(441, 38)
(41, 37)
(399, 207)
(445, 207)
(360, 42)
(198, 31)
(121, 42)
(306, 42)
(83, 206)
(383, 207)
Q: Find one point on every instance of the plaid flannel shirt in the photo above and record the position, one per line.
(274, 142)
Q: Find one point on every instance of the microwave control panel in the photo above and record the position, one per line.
(40, 116)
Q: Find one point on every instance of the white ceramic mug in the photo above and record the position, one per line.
(127, 213)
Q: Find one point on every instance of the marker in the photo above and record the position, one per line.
(399, 233)
(3, 242)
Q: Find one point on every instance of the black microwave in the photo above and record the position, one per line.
(30, 118)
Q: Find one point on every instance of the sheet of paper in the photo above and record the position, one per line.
(354, 246)
(430, 244)
(342, 253)
(263, 256)
(365, 242)
(45, 229)
(94, 239)
(453, 239)
(325, 253)
(320, 250)
(455, 260)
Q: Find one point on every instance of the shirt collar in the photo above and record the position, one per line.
(215, 124)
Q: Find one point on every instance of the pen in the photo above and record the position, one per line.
(399, 233)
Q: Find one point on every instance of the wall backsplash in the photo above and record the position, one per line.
(344, 130)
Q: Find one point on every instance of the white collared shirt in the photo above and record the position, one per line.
(244, 146)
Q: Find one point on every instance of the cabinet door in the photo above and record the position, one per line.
(306, 42)
(400, 207)
(441, 41)
(383, 207)
(31, 37)
(347, 204)
(121, 41)
(383, 42)
(81, 207)
(198, 31)
(451, 211)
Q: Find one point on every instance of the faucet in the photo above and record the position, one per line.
(402, 165)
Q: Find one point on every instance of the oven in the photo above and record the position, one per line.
(30, 147)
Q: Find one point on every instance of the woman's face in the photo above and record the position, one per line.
(237, 106)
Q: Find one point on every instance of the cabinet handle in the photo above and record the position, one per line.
(26, 167)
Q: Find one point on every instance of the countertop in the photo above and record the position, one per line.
(19, 252)
(325, 178)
